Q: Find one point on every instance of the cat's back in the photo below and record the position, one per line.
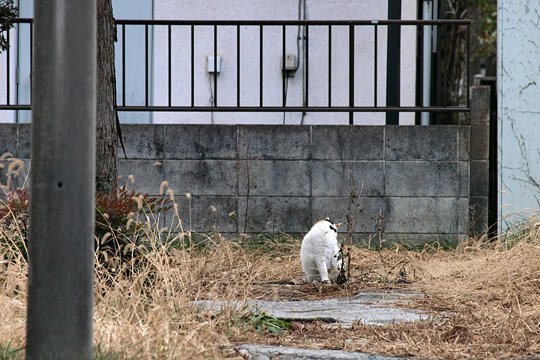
(321, 235)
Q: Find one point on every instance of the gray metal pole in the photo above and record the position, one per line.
(60, 297)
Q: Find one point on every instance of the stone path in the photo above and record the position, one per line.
(370, 308)
(266, 352)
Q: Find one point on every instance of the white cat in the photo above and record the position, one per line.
(319, 253)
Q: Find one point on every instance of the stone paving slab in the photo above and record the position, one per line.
(267, 352)
(370, 308)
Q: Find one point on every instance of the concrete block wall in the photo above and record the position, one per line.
(414, 184)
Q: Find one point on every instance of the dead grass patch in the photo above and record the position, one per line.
(484, 299)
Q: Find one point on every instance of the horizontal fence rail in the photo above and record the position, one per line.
(347, 43)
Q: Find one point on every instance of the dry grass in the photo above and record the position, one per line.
(484, 299)
(485, 303)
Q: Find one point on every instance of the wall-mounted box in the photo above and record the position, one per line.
(211, 63)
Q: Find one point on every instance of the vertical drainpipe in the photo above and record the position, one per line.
(427, 12)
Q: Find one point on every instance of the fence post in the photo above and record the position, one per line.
(59, 315)
(479, 156)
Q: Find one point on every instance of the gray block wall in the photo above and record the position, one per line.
(413, 184)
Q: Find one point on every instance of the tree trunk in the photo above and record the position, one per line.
(106, 131)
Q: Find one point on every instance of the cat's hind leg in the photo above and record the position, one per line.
(309, 267)
(323, 270)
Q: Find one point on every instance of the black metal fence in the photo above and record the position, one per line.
(346, 32)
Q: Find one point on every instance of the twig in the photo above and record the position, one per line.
(352, 209)
(248, 180)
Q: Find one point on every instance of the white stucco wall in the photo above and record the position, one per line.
(318, 60)
(245, 9)
(519, 108)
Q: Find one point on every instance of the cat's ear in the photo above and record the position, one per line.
(338, 225)
(327, 218)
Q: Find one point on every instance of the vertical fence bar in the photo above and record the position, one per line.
(307, 65)
(283, 72)
(375, 67)
(261, 66)
(425, 117)
(329, 65)
(468, 66)
(146, 65)
(393, 63)
(351, 73)
(31, 60)
(8, 68)
(124, 64)
(215, 65)
(419, 70)
(238, 65)
(169, 45)
(192, 65)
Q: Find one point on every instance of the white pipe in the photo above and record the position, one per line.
(427, 51)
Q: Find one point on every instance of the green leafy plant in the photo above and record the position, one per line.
(264, 322)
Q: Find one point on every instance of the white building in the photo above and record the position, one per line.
(315, 83)
(518, 34)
